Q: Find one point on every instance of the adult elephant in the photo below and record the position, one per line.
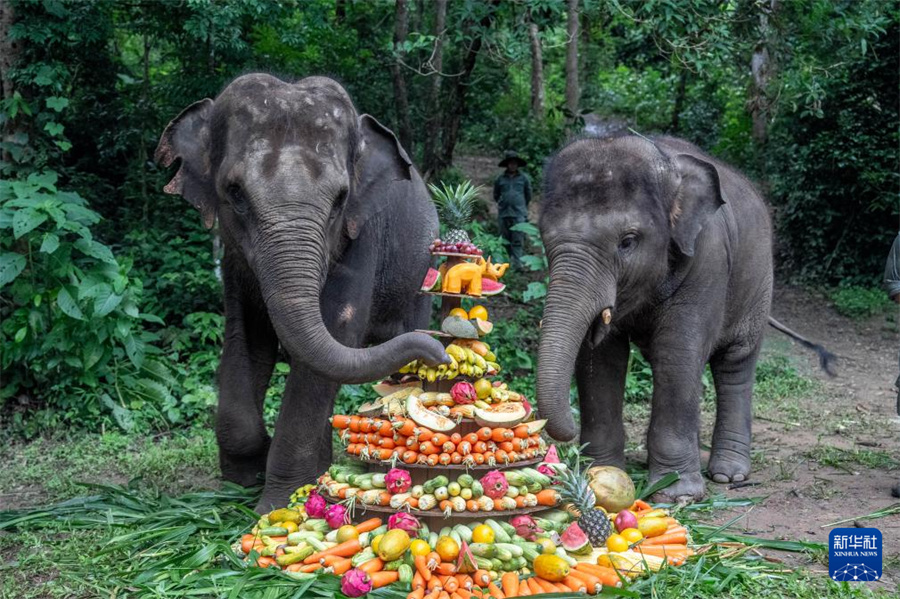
(656, 243)
(326, 226)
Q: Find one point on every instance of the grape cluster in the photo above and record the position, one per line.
(466, 247)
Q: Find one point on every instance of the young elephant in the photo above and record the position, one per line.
(656, 243)
(326, 226)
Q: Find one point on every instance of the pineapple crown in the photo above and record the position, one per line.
(573, 482)
(454, 204)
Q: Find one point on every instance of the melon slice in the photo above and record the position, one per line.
(483, 327)
(506, 414)
(371, 408)
(459, 327)
(490, 287)
(425, 417)
(432, 280)
(536, 426)
(388, 387)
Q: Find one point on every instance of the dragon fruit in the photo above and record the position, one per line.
(526, 527)
(404, 521)
(463, 393)
(356, 583)
(315, 505)
(494, 484)
(336, 516)
(397, 481)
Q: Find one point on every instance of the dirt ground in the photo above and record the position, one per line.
(806, 480)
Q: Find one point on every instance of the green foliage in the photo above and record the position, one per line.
(860, 302)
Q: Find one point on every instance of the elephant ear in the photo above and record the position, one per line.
(187, 137)
(380, 162)
(698, 197)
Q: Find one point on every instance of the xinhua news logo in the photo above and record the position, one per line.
(854, 554)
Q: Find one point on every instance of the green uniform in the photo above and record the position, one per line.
(512, 192)
(892, 286)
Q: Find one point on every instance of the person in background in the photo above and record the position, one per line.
(512, 192)
(892, 287)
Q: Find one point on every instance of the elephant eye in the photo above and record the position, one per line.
(628, 242)
(237, 199)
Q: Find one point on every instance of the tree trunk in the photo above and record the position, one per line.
(433, 124)
(145, 113)
(761, 69)
(679, 100)
(9, 51)
(418, 17)
(340, 11)
(537, 71)
(401, 29)
(572, 89)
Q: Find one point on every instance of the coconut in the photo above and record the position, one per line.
(612, 487)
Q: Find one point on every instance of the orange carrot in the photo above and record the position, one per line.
(373, 565)
(524, 591)
(481, 578)
(575, 584)
(534, 587)
(593, 583)
(368, 525)
(665, 539)
(433, 593)
(444, 595)
(446, 569)
(434, 583)
(342, 566)
(380, 579)
(416, 593)
(266, 562)
(421, 562)
(675, 529)
(450, 584)
(496, 593)
(247, 542)
(464, 593)
(340, 421)
(607, 576)
(418, 582)
(510, 584)
(640, 505)
(309, 567)
(464, 580)
(345, 549)
(548, 586)
(548, 497)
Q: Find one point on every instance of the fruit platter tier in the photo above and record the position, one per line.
(456, 255)
(460, 467)
(440, 516)
(461, 295)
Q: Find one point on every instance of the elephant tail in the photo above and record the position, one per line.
(826, 358)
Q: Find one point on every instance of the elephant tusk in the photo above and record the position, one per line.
(606, 315)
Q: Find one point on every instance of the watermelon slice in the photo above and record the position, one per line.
(490, 287)
(432, 281)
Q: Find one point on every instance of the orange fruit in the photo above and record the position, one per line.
(478, 312)
(459, 312)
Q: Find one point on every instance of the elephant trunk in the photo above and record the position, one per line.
(291, 266)
(579, 291)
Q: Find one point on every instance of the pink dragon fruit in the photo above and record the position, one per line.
(315, 505)
(463, 393)
(494, 484)
(526, 527)
(397, 481)
(404, 521)
(356, 583)
(336, 516)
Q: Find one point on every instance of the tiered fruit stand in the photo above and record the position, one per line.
(421, 473)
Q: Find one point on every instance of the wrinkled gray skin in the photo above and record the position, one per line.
(678, 245)
(326, 226)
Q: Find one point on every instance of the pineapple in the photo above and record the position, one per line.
(454, 206)
(574, 487)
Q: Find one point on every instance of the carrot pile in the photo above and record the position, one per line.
(378, 439)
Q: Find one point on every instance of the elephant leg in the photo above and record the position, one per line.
(733, 371)
(600, 374)
(672, 444)
(295, 454)
(248, 357)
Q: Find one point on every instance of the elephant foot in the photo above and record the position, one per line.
(728, 467)
(246, 471)
(896, 490)
(689, 488)
(614, 458)
(272, 500)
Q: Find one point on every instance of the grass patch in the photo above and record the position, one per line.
(860, 302)
(51, 469)
(845, 459)
(778, 379)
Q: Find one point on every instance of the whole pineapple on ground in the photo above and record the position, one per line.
(454, 206)
(574, 488)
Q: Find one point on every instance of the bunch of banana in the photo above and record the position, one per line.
(463, 361)
(434, 398)
(504, 393)
(300, 494)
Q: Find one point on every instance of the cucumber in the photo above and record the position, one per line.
(292, 558)
(484, 563)
(482, 549)
(295, 538)
(509, 528)
(273, 531)
(297, 548)
(530, 554)
(331, 537)
(406, 573)
(455, 536)
(496, 565)
(316, 544)
(362, 557)
(445, 532)
(512, 548)
(500, 535)
(434, 483)
(464, 533)
(393, 566)
(301, 576)
(562, 553)
(379, 531)
(378, 481)
(477, 490)
(433, 539)
(465, 480)
(502, 554)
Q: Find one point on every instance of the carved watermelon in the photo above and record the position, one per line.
(574, 540)
(490, 287)
(432, 280)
